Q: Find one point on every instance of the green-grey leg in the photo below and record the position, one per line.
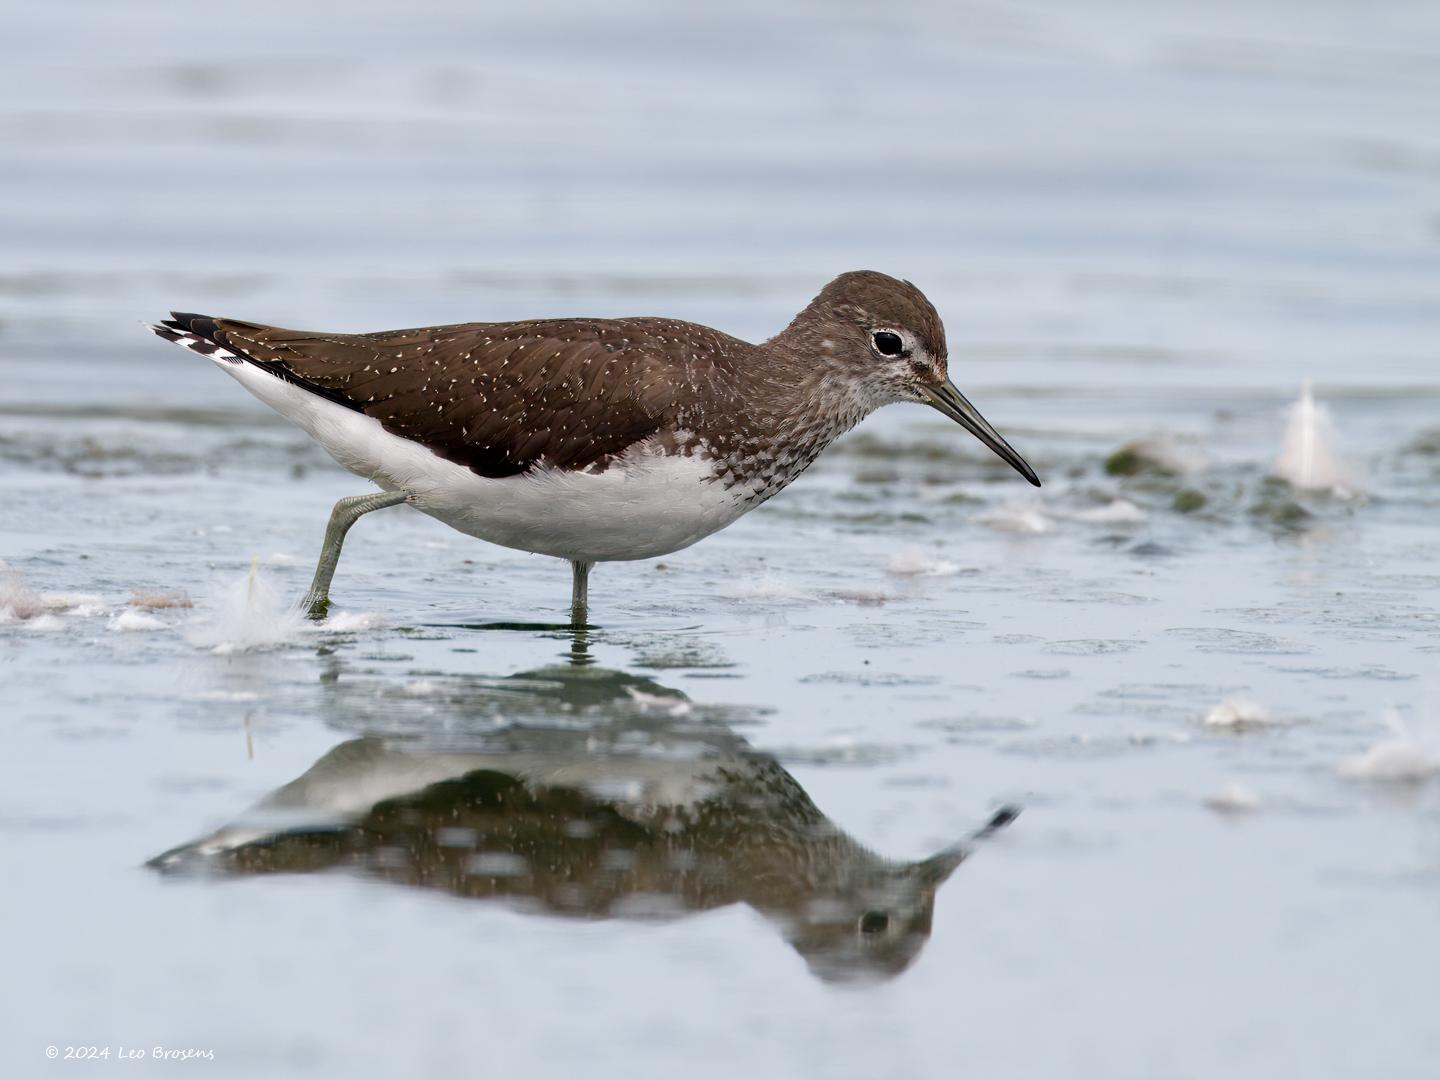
(579, 592)
(347, 511)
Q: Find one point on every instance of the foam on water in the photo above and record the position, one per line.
(84, 604)
(17, 600)
(1233, 798)
(1238, 714)
(1309, 460)
(345, 622)
(1115, 512)
(247, 614)
(1407, 756)
(670, 706)
(765, 588)
(159, 598)
(1020, 516)
(913, 562)
(862, 597)
(224, 695)
(41, 611)
(20, 603)
(130, 621)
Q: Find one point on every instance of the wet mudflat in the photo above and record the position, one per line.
(718, 831)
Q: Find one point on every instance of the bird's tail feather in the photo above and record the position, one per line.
(199, 334)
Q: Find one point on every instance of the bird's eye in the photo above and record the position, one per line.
(874, 922)
(887, 343)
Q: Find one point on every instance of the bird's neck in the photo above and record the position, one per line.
(808, 404)
(783, 410)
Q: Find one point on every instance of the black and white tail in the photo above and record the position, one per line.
(199, 334)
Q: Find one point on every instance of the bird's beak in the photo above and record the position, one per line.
(933, 871)
(946, 399)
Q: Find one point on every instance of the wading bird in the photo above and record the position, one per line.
(591, 440)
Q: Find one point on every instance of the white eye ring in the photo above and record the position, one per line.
(890, 337)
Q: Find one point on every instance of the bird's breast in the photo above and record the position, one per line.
(645, 503)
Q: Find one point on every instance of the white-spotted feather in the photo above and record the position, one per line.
(648, 504)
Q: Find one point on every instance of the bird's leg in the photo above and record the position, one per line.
(580, 646)
(347, 511)
(579, 592)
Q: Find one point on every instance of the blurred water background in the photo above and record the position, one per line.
(1214, 694)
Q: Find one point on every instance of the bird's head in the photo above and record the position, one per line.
(884, 341)
(872, 920)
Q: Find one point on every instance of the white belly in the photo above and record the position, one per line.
(644, 505)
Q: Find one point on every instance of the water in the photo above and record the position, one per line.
(1145, 227)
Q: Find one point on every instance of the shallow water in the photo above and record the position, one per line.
(1141, 229)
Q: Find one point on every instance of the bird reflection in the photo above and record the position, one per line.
(592, 793)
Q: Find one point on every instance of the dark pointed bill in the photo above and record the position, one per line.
(946, 399)
(934, 870)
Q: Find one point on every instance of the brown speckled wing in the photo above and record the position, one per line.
(498, 398)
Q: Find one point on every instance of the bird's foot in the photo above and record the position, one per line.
(315, 607)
